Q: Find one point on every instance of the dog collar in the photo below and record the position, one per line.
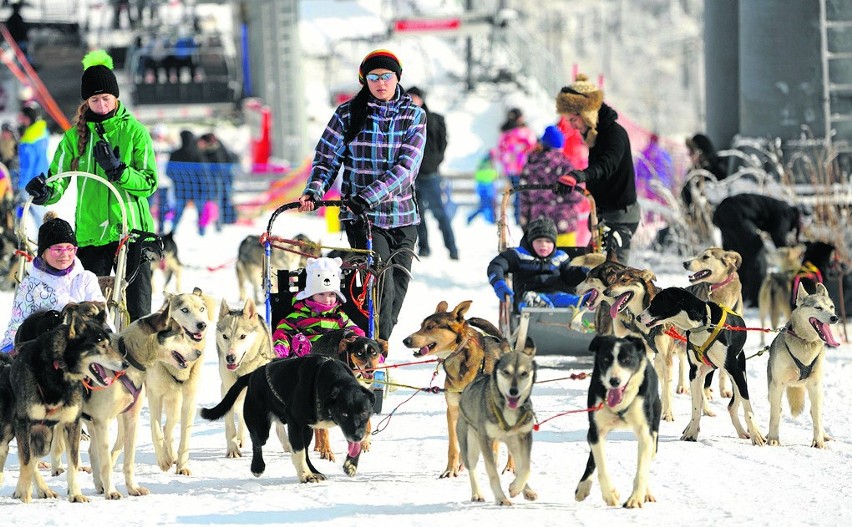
(723, 283)
(122, 348)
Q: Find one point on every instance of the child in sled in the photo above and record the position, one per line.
(316, 310)
(57, 278)
(542, 274)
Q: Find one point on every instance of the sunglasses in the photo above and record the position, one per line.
(372, 77)
(59, 251)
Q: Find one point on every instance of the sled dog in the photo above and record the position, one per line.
(773, 299)
(172, 389)
(624, 388)
(796, 360)
(243, 343)
(302, 393)
(250, 264)
(711, 344)
(497, 407)
(468, 348)
(41, 393)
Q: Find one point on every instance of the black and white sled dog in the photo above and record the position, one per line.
(497, 407)
(710, 345)
(624, 384)
(796, 359)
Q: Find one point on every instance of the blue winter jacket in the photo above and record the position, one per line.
(32, 153)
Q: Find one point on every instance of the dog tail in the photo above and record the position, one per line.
(796, 398)
(485, 326)
(218, 411)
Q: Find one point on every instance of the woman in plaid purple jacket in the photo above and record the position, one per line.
(378, 138)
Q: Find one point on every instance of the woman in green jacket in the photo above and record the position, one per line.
(108, 141)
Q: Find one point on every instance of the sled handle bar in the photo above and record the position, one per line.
(296, 204)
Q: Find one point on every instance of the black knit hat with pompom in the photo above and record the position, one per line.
(54, 230)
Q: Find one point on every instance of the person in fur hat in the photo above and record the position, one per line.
(316, 310)
(57, 277)
(610, 176)
(106, 140)
(542, 274)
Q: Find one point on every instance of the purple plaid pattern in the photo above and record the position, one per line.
(379, 164)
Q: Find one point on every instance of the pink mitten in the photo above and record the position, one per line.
(300, 345)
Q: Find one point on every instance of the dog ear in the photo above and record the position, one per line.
(370, 395)
(636, 341)
(647, 275)
(529, 347)
(595, 344)
(69, 308)
(733, 259)
(461, 309)
(224, 308)
(442, 307)
(800, 294)
(249, 309)
(821, 290)
(76, 325)
(383, 347)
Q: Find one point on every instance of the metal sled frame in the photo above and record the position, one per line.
(121, 260)
(542, 321)
(267, 259)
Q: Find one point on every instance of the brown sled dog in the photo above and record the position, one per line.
(468, 348)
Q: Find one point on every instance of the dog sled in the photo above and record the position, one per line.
(359, 282)
(555, 330)
(114, 287)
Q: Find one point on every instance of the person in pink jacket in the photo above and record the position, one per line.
(516, 141)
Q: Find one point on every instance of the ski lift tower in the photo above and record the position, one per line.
(275, 66)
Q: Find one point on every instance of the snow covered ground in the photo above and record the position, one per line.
(718, 479)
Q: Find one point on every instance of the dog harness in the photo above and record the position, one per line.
(125, 381)
(525, 419)
(804, 371)
(701, 351)
(807, 270)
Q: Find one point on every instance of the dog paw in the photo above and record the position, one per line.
(46, 493)
(583, 490)
(85, 468)
(634, 502)
(327, 454)
(510, 466)
(78, 498)
(25, 497)
(57, 472)
(350, 468)
(708, 412)
(530, 494)
(138, 491)
(233, 452)
(165, 464)
(817, 443)
(682, 390)
(113, 495)
(726, 393)
(183, 471)
(757, 439)
(689, 434)
(449, 473)
(313, 478)
(611, 498)
(504, 502)
(669, 417)
(773, 441)
(708, 394)
(365, 445)
(477, 498)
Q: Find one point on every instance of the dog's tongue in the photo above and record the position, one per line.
(824, 331)
(424, 350)
(354, 449)
(616, 306)
(589, 298)
(232, 366)
(512, 402)
(614, 396)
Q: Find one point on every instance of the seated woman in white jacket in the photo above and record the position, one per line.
(56, 278)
